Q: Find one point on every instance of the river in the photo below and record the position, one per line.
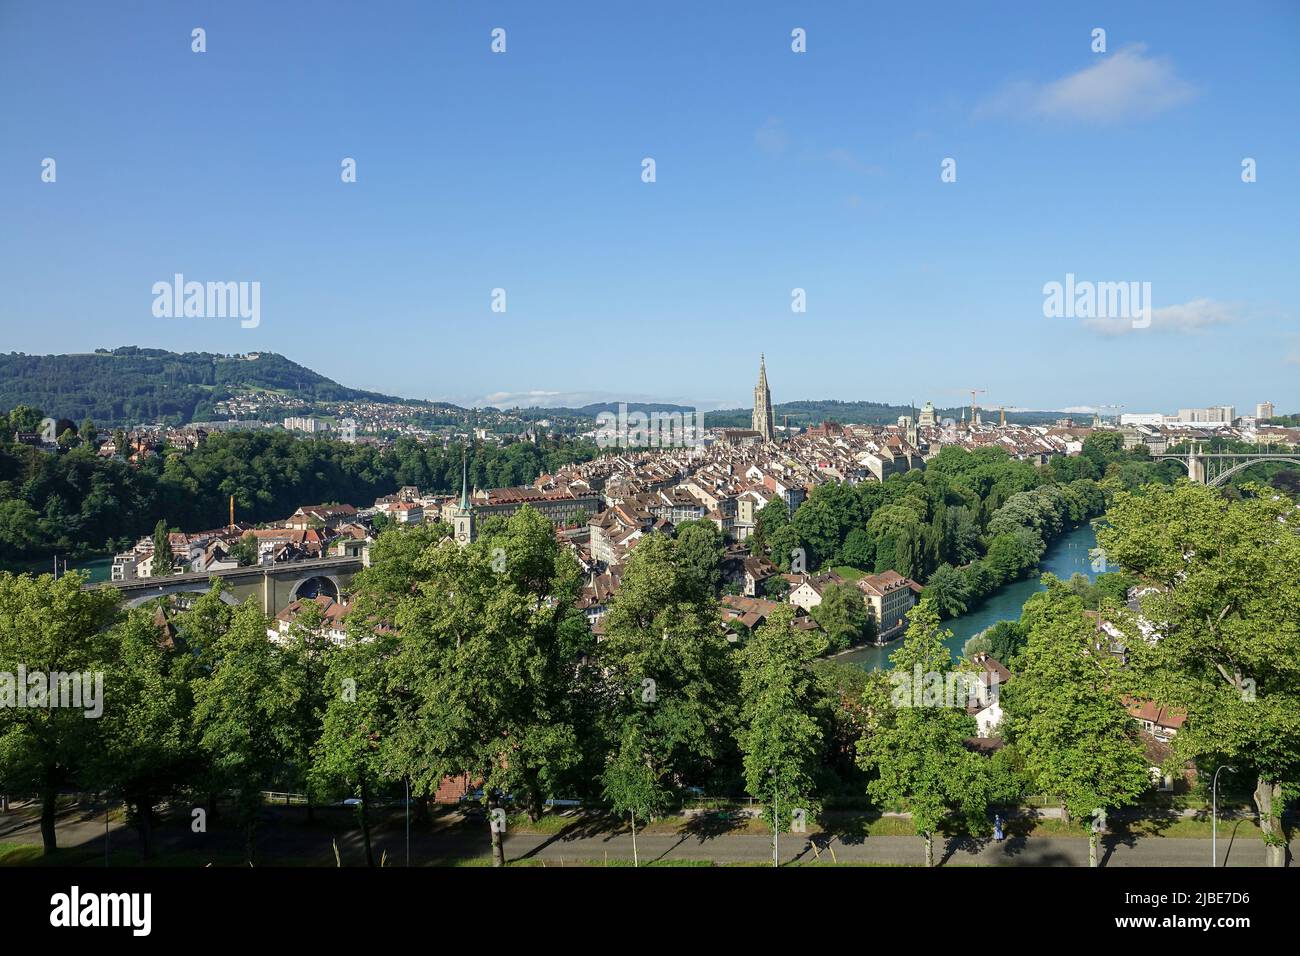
(1068, 555)
(100, 569)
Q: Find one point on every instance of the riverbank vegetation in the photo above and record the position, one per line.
(964, 526)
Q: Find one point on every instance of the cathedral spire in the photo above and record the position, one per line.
(763, 422)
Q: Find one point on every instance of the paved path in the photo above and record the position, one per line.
(891, 850)
(454, 839)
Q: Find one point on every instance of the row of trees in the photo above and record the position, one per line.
(475, 661)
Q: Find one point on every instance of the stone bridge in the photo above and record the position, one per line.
(1216, 468)
(275, 586)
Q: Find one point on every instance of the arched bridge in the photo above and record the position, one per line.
(276, 586)
(1215, 468)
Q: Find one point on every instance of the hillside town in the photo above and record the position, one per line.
(602, 509)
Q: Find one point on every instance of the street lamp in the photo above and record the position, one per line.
(776, 821)
(1214, 810)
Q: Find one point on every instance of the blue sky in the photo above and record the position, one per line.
(774, 171)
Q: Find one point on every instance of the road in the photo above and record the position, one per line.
(888, 850)
(452, 839)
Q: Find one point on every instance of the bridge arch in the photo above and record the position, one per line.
(316, 585)
(1223, 476)
(196, 587)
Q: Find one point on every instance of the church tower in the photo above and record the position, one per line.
(463, 516)
(763, 423)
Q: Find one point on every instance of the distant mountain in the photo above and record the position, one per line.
(132, 385)
(801, 413)
(595, 408)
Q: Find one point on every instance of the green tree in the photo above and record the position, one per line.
(163, 559)
(241, 715)
(917, 754)
(348, 757)
(148, 749)
(770, 518)
(843, 615)
(486, 666)
(246, 550)
(49, 626)
(1227, 603)
(776, 587)
(1065, 713)
(779, 733)
(668, 671)
(304, 662)
(24, 418)
(700, 550)
(1014, 554)
(1003, 642)
(948, 587)
(632, 784)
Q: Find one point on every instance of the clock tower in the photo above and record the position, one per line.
(463, 516)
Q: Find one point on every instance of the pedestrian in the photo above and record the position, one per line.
(997, 827)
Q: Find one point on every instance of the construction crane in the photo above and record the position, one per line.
(974, 392)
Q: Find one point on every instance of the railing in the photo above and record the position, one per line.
(255, 569)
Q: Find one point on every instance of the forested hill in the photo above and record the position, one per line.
(129, 385)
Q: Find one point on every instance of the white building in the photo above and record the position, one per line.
(1142, 418)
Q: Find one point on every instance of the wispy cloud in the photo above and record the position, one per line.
(774, 138)
(543, 398)
(1124, 85)
(1187, 317)
(527, 399)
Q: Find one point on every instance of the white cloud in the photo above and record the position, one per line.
(541, 398)
(522, 399)
(1123, 85)
(1187, 317)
